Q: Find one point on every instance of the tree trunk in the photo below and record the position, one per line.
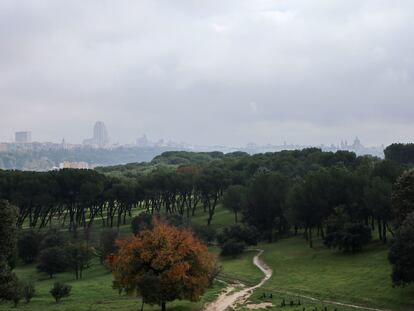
(163, 308)
(379, 230)
(235, 216)
(310, 238)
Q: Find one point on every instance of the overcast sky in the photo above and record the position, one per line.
(209, 72)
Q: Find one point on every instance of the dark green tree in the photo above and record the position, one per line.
(346, 234)
(9, 284)
(107, 245)
(401, 254)
(52, 260)
(233, 199)
(265, 202)
(28, 245)
(78, 258)
(403, 197)
(60, 290)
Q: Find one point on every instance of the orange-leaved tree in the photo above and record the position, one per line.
(162, 264)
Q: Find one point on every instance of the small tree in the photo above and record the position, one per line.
(163, 264)
(60, 290)
(28, 291)
(52, 260)
(28, 245)
(78, 258)
(16, 291)
(107, 243)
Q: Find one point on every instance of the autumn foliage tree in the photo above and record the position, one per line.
(162, 264)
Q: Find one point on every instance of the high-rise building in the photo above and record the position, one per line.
(100, 136)
(23, 137)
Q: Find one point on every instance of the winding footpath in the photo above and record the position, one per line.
(232, 297)
(237, 294)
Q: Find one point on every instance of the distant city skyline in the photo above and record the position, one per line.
(101, 138)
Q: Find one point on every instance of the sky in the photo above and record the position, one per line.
(216, 72)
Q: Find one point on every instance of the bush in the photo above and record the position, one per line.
(60, 290)
(28, 291)
(107, 244)
(8, 283)
(204, 233)
(52, 260)
(28, 246)
(175, 220)
(232, 248)
(141, 222)
(240, 233)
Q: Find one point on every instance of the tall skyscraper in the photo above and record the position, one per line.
(23, 137)
(100, 136)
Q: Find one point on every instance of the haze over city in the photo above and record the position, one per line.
(216, 72)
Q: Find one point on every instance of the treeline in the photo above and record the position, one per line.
(281, 191)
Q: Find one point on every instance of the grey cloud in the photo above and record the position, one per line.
(190, 70)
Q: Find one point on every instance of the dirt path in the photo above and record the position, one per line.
(236, 293)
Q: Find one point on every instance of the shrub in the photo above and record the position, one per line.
(28, 291)
(60, 290)
(204, 233)
(52, 260)
(175, 220)
(232, 248)
(141, 222)
(28, 246)
(240, 233)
